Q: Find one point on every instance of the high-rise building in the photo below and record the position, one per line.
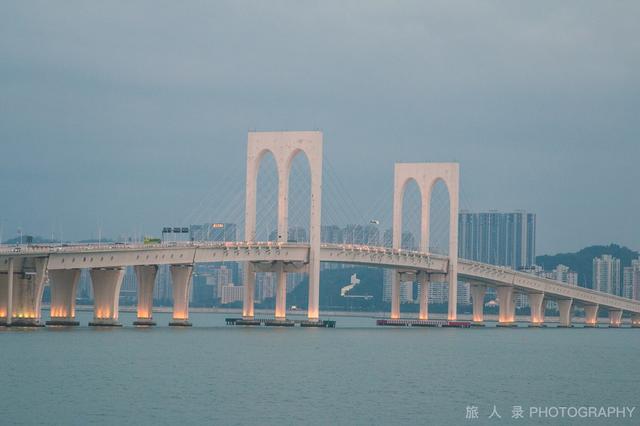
(85, 289)
(265, 286)
(231, 293)
(406, 288)
(129, 287)
(464, 293)
(331, 234)
(635, 279)
(564, 274)
(162, 291)
(203, 290)
(627, 282)
(361, 234)
(504, 239)
(221, 275)
(631, 280)
(606, 274)
(439, 293)
(295, 234)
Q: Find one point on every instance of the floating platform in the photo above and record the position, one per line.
(272, 322)
(180, 323)
(507, 325)
(422, 323)
(20, 322)
(144, 323)
(279, 323)
(62, 323)
(104, 324)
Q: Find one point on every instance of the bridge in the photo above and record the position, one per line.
(24, 270)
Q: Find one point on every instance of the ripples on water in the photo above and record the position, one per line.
(354, 374)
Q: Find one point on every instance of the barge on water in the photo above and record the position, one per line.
(272, 322)
(422, 323)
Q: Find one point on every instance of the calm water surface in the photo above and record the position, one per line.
(355, 374)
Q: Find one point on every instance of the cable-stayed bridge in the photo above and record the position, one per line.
(24, 270)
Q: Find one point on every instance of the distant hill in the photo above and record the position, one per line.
(582, 261)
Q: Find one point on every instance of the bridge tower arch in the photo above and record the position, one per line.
(426, 175)
(284, 146)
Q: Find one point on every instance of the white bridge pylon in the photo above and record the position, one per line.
(426, 175)
(284, 146)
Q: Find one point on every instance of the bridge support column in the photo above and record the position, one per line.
(615, 318)
(477, 296)
(281, 292)
(63, 284)
(4, 284)
(181, 283)
(106, 294)
(248, 300)
(565, 308)
(591, 315)
(27, 294)
(6, 295)
(635, 320)
(506, 300)
(395, 295)
(537, 306)
(423, 278)
(146, 277)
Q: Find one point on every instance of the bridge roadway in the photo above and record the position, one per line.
(23, 272)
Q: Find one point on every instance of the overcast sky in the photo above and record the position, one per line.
(124, 115)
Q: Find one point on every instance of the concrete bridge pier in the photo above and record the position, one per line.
(423, 279)
(477, 295)
(537, 305)
(565, 307)
(146, 276)
(635, 320)
(106, 284)
(507, 303)
(6, 294)
(615, 318)
(591, 315)
(181, 284)
(399, 277)
(281, 292)
(28, 287)
(248, 301)
(63, 284)
(395, 295)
